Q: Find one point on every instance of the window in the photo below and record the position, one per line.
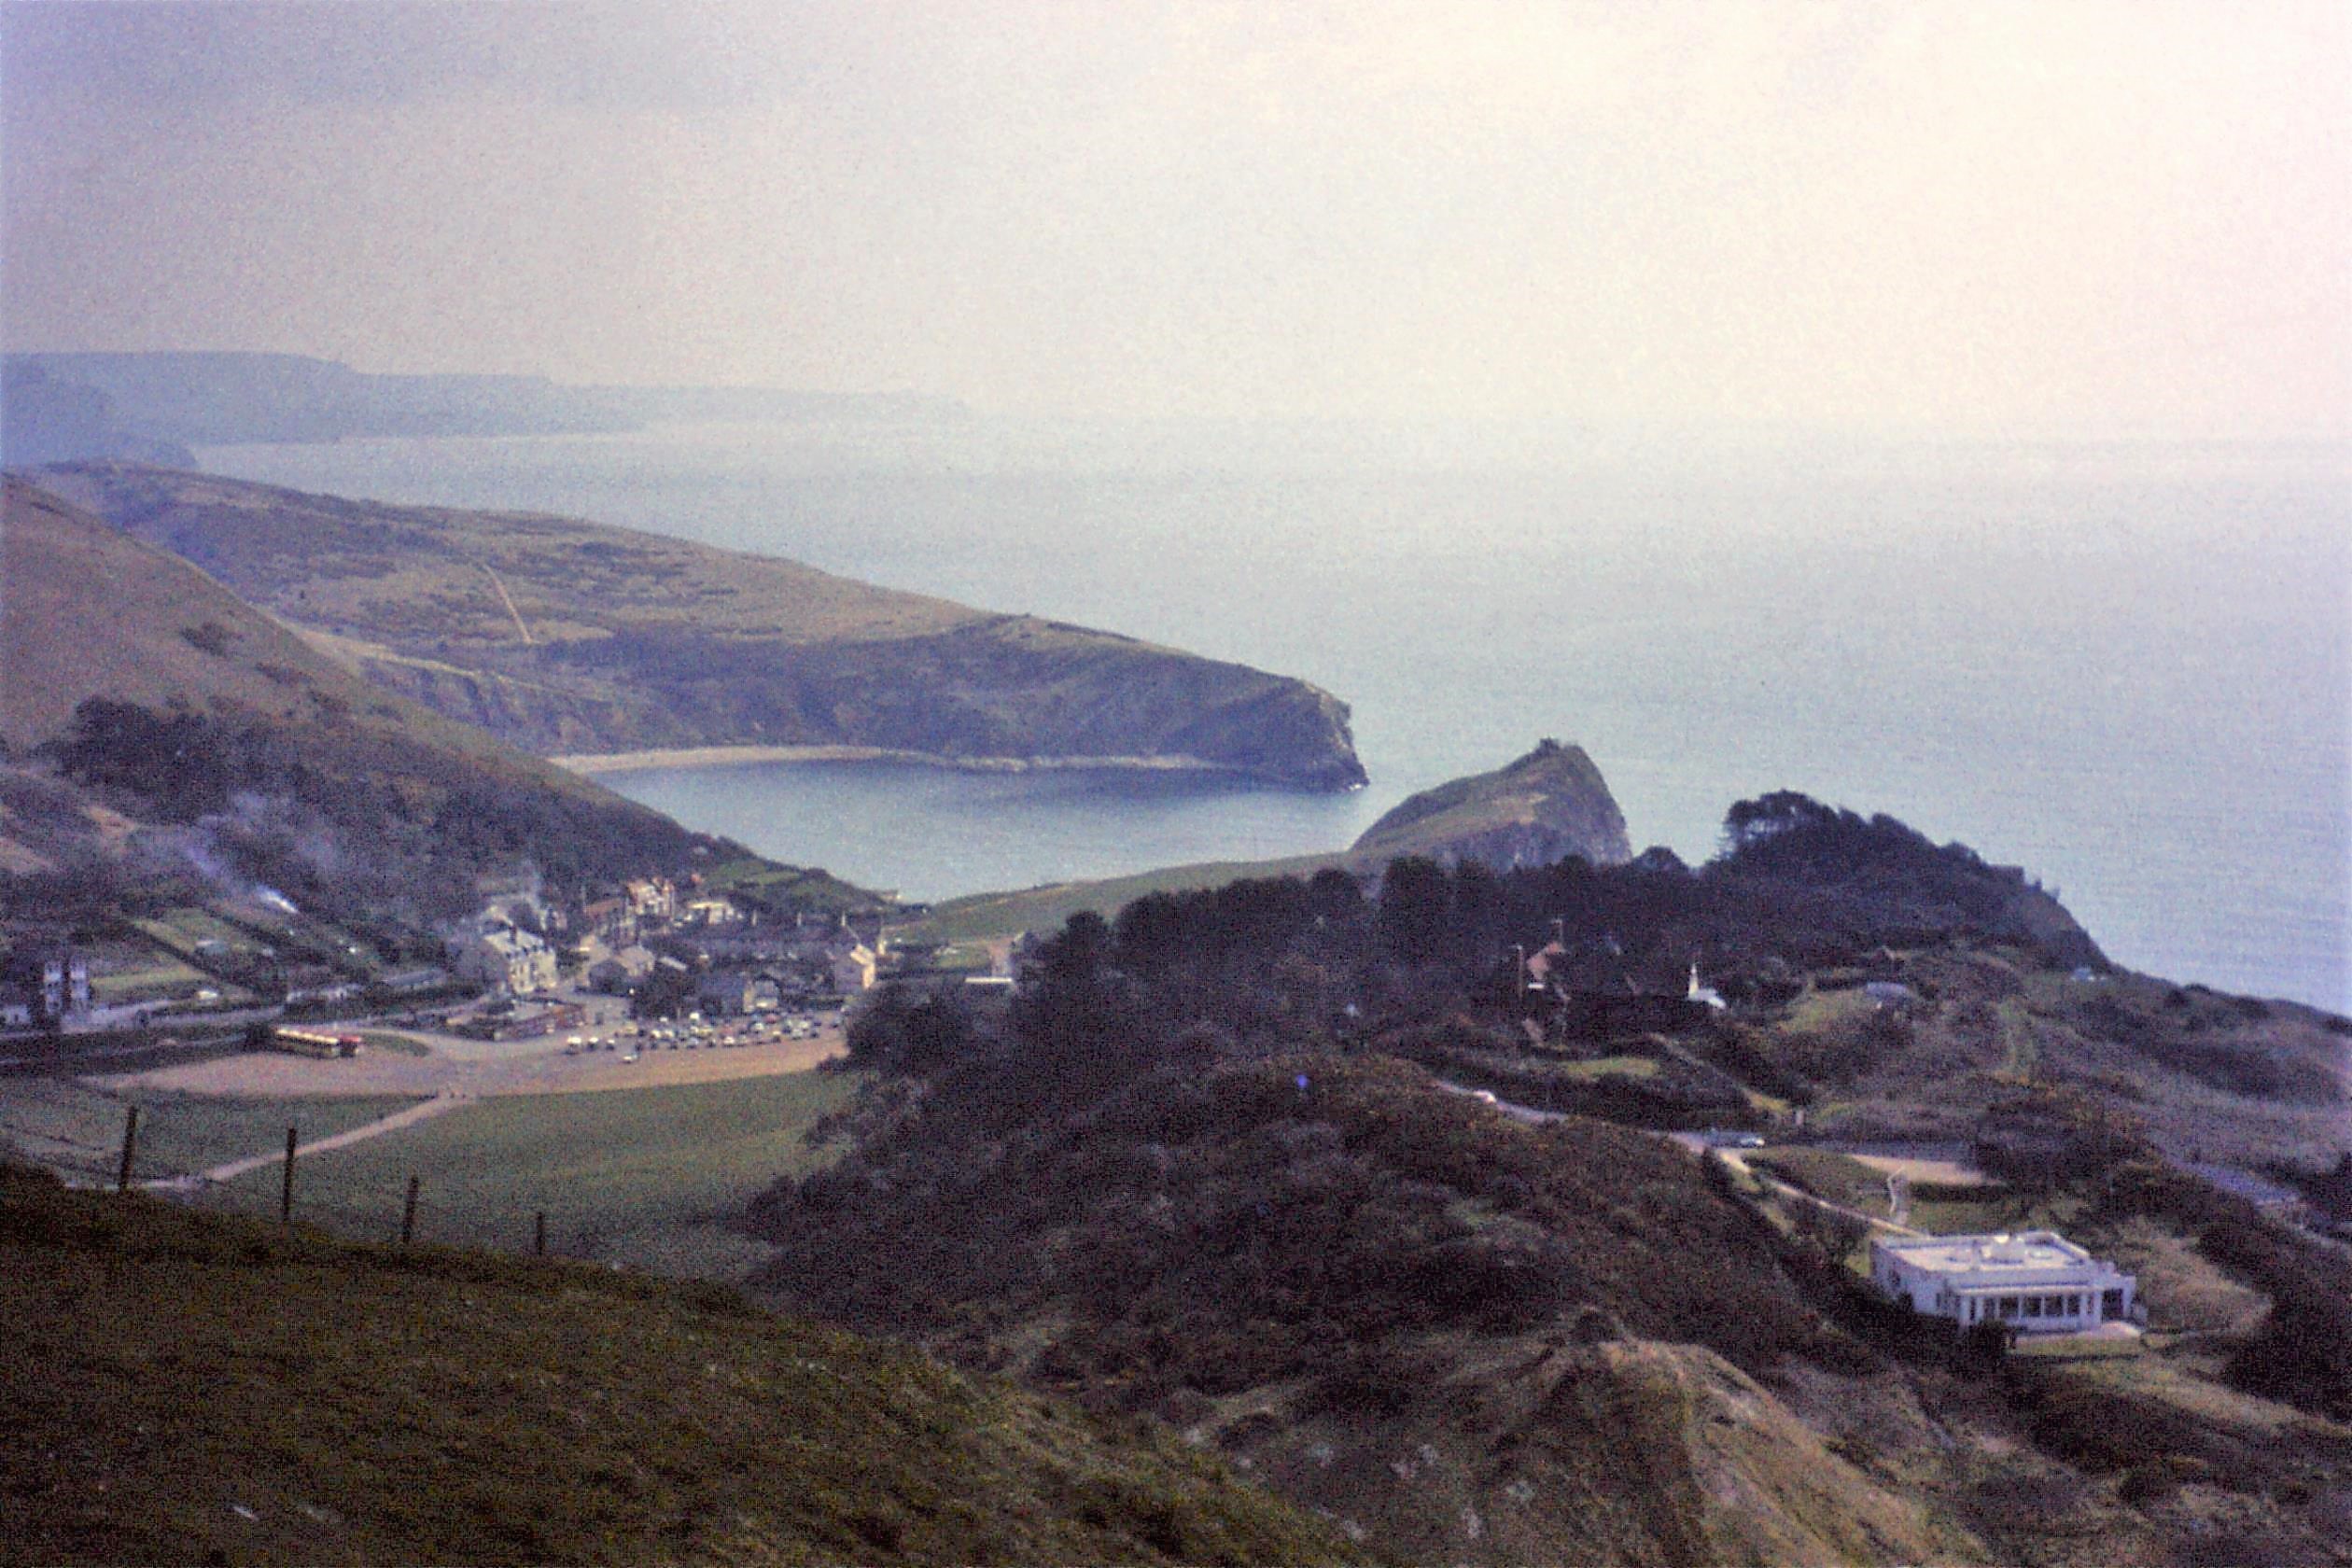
(2033, 1305)
(2008, 1307)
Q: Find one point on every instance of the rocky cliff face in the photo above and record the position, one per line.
(568, 638)
(1549, 805)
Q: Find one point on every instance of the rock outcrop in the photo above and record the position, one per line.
(1550, 803)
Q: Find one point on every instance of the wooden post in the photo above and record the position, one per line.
(130, 1145)
(286, 1194)
(539, 1235)
(408, 1215)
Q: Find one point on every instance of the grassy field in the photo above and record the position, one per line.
(154, 980)
(640, 1176)
(1612, 1067)
(1044, 909)
(182, 928)
(77, 1130)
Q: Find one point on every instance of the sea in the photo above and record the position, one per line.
(2126, 668)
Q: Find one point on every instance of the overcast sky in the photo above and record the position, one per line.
(2054, 217)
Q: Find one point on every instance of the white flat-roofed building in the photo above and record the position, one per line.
(2036, 1281)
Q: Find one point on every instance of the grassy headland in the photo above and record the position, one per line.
(569, 637)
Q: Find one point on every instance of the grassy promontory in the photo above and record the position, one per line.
(568, 638)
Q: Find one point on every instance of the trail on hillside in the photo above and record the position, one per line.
(422, 1110)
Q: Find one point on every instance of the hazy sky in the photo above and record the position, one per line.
(2071, 219)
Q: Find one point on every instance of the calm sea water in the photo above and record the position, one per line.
(2128, 669)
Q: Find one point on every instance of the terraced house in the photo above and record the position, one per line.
(2037, 1279)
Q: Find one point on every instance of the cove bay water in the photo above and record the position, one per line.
(2127, 669)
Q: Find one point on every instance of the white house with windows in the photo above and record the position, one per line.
(2036, 1281)
(503, 957)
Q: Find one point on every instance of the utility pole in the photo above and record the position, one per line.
(130, 1146)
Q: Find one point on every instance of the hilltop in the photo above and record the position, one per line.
(156, 730)
(569, 638)
(186, 1388)
(1549, 805)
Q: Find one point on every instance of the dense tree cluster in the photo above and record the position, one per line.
(340, 812)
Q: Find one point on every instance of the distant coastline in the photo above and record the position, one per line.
(738, 756)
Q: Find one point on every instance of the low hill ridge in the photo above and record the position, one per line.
(569, 638)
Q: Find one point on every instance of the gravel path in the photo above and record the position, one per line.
(408, 1116)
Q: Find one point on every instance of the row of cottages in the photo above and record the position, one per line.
(734, 993)
(2035, 1281)
(724, 993)
(621, 972)
(652, 902)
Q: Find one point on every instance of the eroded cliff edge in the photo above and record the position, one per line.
(569, 638)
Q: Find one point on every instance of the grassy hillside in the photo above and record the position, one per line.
(565, 636)
(152, 690)
(640, 1176)
(186, 1388)
(1201, 1164)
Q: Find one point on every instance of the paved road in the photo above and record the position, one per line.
(1737, 1158)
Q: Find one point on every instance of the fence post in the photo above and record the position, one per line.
(539, 1235)
(408, 1215)
(130, 1145)
(286, 1194)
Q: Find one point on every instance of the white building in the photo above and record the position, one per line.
(855, 970)
(505, 958)
(2037, 1279)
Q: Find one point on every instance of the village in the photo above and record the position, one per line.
(644, 965)
(652, 982)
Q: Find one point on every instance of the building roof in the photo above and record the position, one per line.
(2027, 1251)
(510, 940)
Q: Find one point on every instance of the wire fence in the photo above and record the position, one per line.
(404, 1212)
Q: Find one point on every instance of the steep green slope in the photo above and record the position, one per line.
(184, 1387)
(569, 637)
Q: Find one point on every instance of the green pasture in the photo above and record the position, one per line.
(75, 1129)
(639, 1176)
(1611, 1067)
